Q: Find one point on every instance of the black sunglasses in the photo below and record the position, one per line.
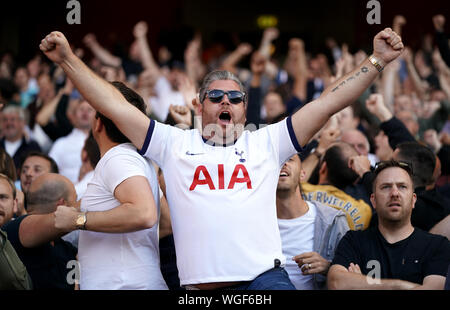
(393, 163)
(216, 96)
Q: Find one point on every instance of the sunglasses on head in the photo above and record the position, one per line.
(393, 163)
(216, 96)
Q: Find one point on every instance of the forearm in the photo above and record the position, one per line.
(313, 116)
(36, 230)
(231, 61)
(44, 115)
(104, 56)
(123, 219)
(388, 86)
(107, 100)
(415, 78)
(146, 55)
(344, 280)
(309, 164)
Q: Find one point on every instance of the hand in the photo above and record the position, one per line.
(56, 47)
(187, 89)
(140, 30)
(89, 39)
(270, 34)
(65, 218)
(375, 105)
(360, 164)
(311, 263)
(327, 137)
(439, 22)
(354, 268)
(399, 21)
(181, 115)
(79, 52)
(387, 45)
(244, 49)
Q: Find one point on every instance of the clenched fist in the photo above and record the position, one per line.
(56, 47)
(387, 45)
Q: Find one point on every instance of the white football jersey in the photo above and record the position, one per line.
(222, 199)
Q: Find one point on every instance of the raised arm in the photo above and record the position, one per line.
(140, 33)
(103, 96)
(308, 120)
(100, 52)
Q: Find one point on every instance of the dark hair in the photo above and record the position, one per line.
(380, 166)
(340, 174)
(92, 150)
(422, 159)
(53, 165)
(7, 166)
(132, 97)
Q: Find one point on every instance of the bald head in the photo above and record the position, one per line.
(49, 191)
(357, 139)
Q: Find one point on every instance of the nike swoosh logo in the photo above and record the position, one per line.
(193, 154)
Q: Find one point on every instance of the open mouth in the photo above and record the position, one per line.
(225, 117)
(284, 174)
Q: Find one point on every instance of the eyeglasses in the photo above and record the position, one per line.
(216, 96)
(393, 163)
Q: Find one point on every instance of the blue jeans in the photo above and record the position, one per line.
(273, 279)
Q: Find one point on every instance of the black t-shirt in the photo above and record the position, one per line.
(412, 259)
(46, 264)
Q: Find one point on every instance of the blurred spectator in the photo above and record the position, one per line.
(66, 151)
(90, 155)
(14, 273)
(16, 144)
(35, 238)
(335, 175)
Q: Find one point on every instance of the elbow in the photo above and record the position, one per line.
(147, 220)
(333, 282)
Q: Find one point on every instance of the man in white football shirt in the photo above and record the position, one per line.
(222, 181)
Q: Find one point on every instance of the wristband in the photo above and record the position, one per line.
(378, 63)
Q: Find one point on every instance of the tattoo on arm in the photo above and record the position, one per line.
(363, 70)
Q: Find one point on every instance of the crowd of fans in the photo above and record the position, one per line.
(45, 128)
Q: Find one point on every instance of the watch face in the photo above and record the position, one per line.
(81, 220)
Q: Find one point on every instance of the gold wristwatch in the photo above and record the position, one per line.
(378, 63)
(81, 221)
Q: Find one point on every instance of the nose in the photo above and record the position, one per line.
(225, 101)
(394, 191)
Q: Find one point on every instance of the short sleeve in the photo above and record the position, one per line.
(157, 142)
(346, 251)
(283, 139)
(12, 230)
(440, 259)
(121, 167)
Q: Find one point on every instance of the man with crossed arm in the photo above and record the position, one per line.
(398, 254)
(222, 180)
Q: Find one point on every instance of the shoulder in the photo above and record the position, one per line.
(328, 214)
(429, 238)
